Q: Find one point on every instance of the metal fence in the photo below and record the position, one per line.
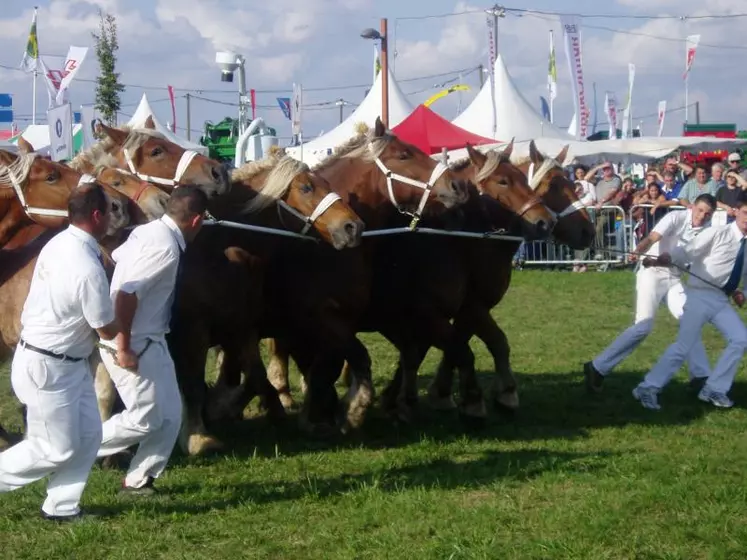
(617, 233)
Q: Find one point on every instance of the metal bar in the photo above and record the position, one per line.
(431, 231)
(258, 229)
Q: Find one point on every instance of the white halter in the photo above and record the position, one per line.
(85, 178)
(320, 209)
(535, 180)
(181, 168)
(427, 187)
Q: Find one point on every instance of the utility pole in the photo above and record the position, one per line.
(189, 120)
(497, 12)
(481, 70)
(340, 103)
(384, 72)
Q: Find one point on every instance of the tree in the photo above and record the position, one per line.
(108, 87)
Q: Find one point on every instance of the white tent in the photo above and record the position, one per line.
(144, 111)
(515, 116)
(627, 151)
(38, 136)
(399, 108)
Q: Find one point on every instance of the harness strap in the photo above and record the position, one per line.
(181, 169)
(320, 209)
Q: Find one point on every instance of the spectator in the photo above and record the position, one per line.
(586, 193)
(606, 189)
(717, 176)
(727, 196)
(734, 162)
(696, 186)
(679, 170)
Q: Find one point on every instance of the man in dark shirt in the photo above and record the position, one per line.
(727, 196)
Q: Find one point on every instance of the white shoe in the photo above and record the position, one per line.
(716, 399)
(648, 397)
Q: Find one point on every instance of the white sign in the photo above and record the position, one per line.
(60, 121)
(610, 103)
(88, 122)
(296, 104)
(572, 32)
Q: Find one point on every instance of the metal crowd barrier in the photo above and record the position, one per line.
(609, 246)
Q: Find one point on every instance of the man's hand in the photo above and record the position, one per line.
(127, 359)
(738, 298)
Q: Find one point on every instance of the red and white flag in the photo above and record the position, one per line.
(662, 113)
(173, 107)
(692, 45)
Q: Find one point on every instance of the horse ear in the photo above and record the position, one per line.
(149, 123)
(24, 146)
(477, 158)
(563, 154)
(534, 154)
(508, 150)
(6, 158)
(118, 136)
(379, 128)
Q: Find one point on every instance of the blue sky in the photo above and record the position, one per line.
(317, 43)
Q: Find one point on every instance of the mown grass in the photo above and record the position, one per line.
(571, 476)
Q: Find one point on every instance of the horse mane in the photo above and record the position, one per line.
(282, 173)
(357, 148)
(100, 153)
(494, 158)
(17, 171)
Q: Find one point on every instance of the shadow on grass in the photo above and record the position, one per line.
(553, 406)
(465, 473)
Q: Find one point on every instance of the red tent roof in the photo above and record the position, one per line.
(431, 132)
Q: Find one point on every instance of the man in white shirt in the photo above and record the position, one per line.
(68, 299)
(654, 285)
(717, 265)
(139, 362)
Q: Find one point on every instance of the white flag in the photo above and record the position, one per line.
(75, 56)
(30, 59)
(662, 114)
(88, 124)
(626, 125)
(60, 121)
(572, 33)
(692, 46)
(610, 104)
(296, 104)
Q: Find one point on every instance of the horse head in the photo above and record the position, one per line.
(550, 182)
(305, 197)
(149, 200)
(152, 157)
(497, 178)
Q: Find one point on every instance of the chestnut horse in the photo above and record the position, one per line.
(34, 178)
(151, 157)
(490, 277)
(220, 297)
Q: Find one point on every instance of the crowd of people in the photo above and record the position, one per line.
(674, 183)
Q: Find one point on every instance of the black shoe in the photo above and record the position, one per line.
(77, 518)
(146, 490)
(697, 383)
(594, 379)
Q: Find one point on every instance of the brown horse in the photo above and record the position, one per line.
(490, 277)
(35, 177)
(219, 300)
(148, 155)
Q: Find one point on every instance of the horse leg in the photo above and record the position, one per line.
(189, 344)
(360, 394)
(506, 394)
(277, 371)
(106, 392)
(319, 410)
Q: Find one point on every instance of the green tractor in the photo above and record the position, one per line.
(220, 139)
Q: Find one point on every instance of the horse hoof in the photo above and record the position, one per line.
(117, 462)
(475, 409)
(287, 401)
(201, 444)
(471, 422)
(508, 399)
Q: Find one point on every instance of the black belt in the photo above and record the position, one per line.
(62, 357)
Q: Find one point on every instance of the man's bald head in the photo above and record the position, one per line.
(84, 200)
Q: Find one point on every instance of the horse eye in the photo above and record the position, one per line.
(51, 178)
(306, 189)
(503, 183)
(157, 151)
(404, 154)
(116, 183)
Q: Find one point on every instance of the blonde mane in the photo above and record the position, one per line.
(99, 155)
(493, 159)
(357, 147)
(282, 173)
(18, 170)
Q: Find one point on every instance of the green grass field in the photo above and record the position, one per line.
(572, 476)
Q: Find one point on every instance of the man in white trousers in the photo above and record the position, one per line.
(717, 266)
(654, 284)
(138, 361)
(68, 299)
